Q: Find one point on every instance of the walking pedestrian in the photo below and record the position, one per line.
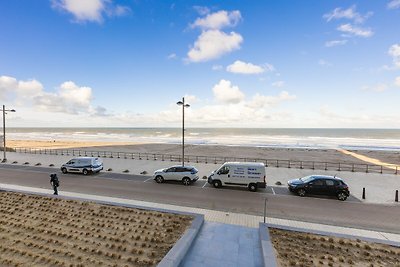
(54, 182)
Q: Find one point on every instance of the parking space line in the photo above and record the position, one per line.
(204, 184)
(147, 179)
(273, 191)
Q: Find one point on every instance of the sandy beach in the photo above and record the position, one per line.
(295, 154)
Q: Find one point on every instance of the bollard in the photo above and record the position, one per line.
(396, 197)
(363, 193)
(265, 208)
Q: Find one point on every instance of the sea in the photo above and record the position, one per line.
(368, 139)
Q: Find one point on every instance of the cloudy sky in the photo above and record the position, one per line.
(114, 63)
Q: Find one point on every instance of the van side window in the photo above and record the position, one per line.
(224, 170)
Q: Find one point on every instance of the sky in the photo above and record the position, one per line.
(259, 63)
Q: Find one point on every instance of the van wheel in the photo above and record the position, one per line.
(64, 170)
(217, 184)
(85, 172)
(253, 187)
(159, 179)
(186, 181)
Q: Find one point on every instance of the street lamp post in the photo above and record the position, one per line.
(4, 131)
(184, 105)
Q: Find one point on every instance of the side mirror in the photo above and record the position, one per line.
(218, 172)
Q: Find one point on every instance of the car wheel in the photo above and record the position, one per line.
(64, 170)
(159, 179)
(186, 181)
(253, 187)
(342, 196)
(301, 192)
(217, 184)
(85, 172)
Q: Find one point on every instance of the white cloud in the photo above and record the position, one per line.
(172, 56)
(350, 13)
(394, 52)
(393, 4)
(7, 84)
(245, 68)
(90, 10)
(213, 44)
(217, 67)
(397, 81)
(324, 63)
(278, 84)
(335, 43)
(218, 20)
(190, 99)
(68, 98)
(202, 10)
(378, 88)
(225, 92)
(354, 30)
(261, 101)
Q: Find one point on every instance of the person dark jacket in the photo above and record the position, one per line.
(54, 182)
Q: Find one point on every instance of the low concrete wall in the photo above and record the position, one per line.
(267, 249)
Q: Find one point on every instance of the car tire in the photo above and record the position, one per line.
(159, 179)
(85, 172)
(64, 170)
(301, 192)
(252, 187)
(342, 196)
(217, 183)
(186, 181)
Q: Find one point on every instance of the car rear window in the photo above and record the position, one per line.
(330, 182)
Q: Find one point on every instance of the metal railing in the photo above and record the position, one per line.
(278, 163)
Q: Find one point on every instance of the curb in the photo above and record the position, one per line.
(176, 254)
(327, 233)
(267, 249)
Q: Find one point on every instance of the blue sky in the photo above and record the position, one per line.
(100, 63)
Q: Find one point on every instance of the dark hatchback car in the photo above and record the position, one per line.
(320, 185)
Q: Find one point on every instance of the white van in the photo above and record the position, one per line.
(83, 165)
(249, 174)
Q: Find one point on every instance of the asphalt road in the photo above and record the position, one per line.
(280, 202)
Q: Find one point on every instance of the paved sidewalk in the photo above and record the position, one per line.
(380, 188)
(219, 244)
(218, 216)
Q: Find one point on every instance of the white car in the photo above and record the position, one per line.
(186, 174)
(83, 165)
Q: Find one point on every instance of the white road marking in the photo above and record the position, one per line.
(147, 179)
(204, 184)
(273, 191)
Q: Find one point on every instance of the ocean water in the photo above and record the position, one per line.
(375, 139)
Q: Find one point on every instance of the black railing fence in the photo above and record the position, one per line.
(278, 163)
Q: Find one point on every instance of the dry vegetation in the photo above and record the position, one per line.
(41, 231)
(303, 249)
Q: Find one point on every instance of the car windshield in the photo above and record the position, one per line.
(194, 171)
(307, 179)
